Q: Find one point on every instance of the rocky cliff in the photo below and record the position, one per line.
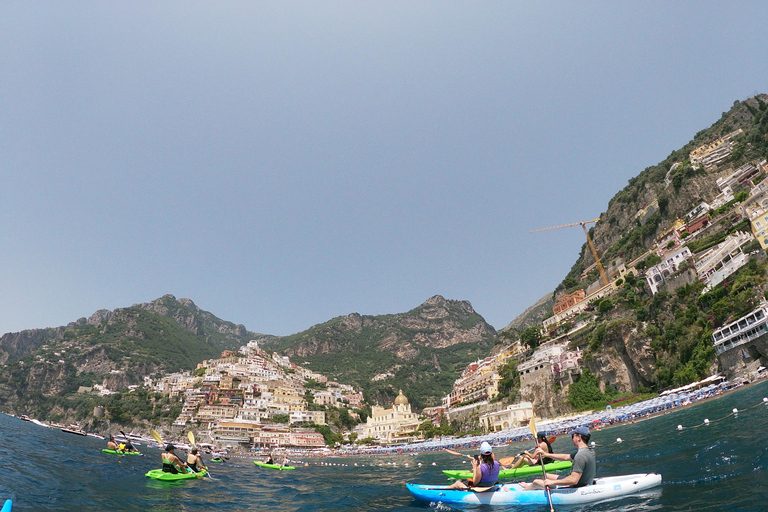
(422, 350)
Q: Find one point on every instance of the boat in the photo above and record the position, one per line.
(73, 429)
(118, 452)
(7, 506)
(159, 474)
(97, 436)
(514, 494)
(24, 417)
(273, 466)
(514, 473)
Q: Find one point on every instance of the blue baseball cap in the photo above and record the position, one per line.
(580, 430)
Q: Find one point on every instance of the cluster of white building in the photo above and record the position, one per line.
(245, 397)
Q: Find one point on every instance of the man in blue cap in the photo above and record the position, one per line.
(584, 465)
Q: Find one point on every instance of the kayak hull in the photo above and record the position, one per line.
(514, 473)
(514, 494)
(116, 452)
(273, 466)
(7, 506)
(158, 474)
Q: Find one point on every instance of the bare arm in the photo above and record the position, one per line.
(477, 475)
(556, 456)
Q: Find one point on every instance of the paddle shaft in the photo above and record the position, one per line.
(457, 453)
(546, 487)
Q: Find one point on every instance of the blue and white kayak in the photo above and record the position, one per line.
(7, 506)
(514, 494)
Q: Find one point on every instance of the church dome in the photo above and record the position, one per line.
(401, 400)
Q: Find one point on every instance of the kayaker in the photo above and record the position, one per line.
(270, 459)
(584, 465)
(194, 462)
(485, 470)
(171, 463)
(112, 444)
(527, 458)
(129, 447)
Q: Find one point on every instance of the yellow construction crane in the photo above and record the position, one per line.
(583, 225)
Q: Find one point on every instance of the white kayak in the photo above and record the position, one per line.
(513, 494)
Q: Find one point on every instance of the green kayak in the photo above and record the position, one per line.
(158, 474)
(513, 473)
(216, 460)
(118, 452)
(273, 466)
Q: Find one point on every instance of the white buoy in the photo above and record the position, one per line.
(706, 421)
(618, 439)
(765, 400)
(679, 427)
(592, 443)
(419, 464)
(434, 463)
(735, 411)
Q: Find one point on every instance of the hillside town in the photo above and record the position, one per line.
(257, 399)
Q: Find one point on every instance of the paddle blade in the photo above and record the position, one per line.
(156, 436)
(191, 437)
(532, 426)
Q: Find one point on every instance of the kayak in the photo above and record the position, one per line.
(118, 452)
(158, 474)
(514, 473)
(7, 506)
(273, 466)
(216, 460)
(514, 494)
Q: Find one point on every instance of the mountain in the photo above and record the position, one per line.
(421, 351)
(636, 340)
(113, 348)
(533, 315)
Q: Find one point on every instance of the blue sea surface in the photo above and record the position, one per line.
(714, 467)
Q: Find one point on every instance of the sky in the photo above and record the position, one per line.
(285, 163)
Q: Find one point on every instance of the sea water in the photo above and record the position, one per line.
(718, 466)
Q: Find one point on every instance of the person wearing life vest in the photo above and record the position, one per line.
(194, 462)
(485, 470)
(528, 459)
(171, 463)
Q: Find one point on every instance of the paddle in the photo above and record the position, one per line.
(457, 453)
(191, 437)
(532, 426)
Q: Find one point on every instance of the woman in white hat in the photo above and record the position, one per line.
(485, 470)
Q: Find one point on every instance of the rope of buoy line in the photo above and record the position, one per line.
(735, 412)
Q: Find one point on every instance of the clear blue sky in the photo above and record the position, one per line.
(283, 163)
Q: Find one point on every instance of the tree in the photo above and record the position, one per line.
(605, 305)
(531, 336)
